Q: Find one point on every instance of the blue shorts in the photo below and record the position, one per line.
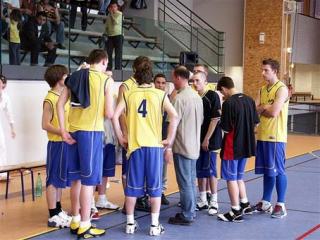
(109, 160)
(270, 158)
(86, 157)
(57, 164)
(144, 173)
(124, 162)
(207, 164)
(233, 170)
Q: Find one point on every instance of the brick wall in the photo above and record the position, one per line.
(260, 16)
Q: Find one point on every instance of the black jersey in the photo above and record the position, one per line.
(238, 120)
(211, 109)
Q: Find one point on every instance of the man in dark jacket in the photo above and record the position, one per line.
(35, 37)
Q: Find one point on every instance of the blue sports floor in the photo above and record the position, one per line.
(302, 221)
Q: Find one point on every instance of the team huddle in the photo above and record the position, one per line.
(188, 127)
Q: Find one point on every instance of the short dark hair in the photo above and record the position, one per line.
(274, 64)
(202, 65)
(41, 13)
(143, 70)
(15, 15)
(159, 75)
(225, 82)
(113, 2)
(96, 56)
(3, 79)
(181, 71)
(54, 74)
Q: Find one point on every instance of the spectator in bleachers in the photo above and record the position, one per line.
(73, 13)
(17, 4)
(113, 31)
(14, 38)
(30, 9)
(53, 21)
(35, 37)
(103, 6)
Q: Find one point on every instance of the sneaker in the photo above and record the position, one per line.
(263, 208)
(74, 226)
(202, 205)
(106, 205)
(213, 208)
(246, 209)
(94, 214)
(58, 222)
(65, 215)
(279, 211)
(131, 227)
(156, 230)
(164, 200)
(143, 204)
(232, 216)
(179, 219)
(90, 232)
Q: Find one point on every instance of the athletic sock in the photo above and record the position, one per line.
(203, 196)
(155, 219)
(53, 212)
(130, 219)
(281, 187)
(268, 185)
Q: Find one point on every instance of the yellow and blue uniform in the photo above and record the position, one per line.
(272, 135)
(56, 149)
(144, 111)
(129, 84)
(87, 128)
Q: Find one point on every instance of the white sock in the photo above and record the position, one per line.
(85, 224)
(214, 197)
(130, 219)
(237, 208)
(203, 196)
(244, 200)
(102, 198)
(76, 218)
(155, 219)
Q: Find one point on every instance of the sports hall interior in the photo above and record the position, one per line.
(232, 37)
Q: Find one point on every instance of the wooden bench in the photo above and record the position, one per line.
(21, 168)
(305, 95)
(97, 38)
(127, 22)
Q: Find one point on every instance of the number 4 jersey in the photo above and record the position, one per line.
(144, 111)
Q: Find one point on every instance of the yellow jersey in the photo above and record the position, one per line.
(52, 98)
(130, 83)
(14, 32)
(144, 111)
(273, 129)
(92, 117)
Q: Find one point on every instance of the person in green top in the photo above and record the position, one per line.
(113, 31)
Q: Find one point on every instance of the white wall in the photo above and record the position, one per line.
(31, 141)
(306, 78)
(226, 16)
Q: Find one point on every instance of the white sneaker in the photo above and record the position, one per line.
(107, 205)
(58, 222)
(202, 205)
(213, 208)
(131, 227)
(65, 216)
(156, 230)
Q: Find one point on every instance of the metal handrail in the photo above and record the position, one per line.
(204, 36)
(198, 38)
